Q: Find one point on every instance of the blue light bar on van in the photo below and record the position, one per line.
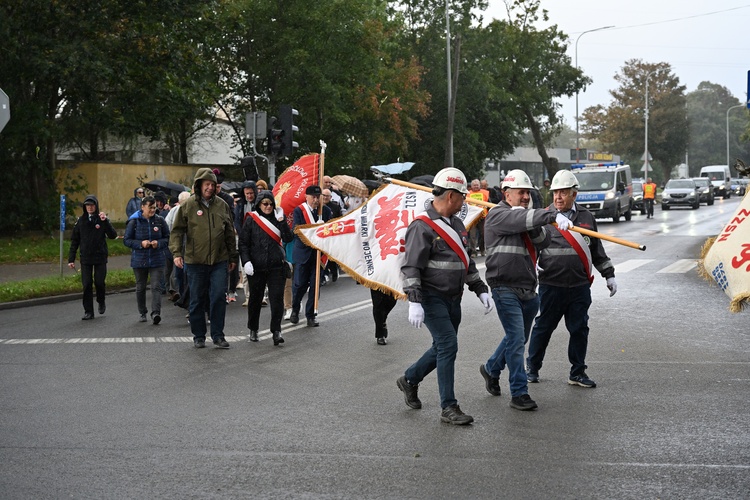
(584, 165)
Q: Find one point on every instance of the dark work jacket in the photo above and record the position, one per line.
(258, 247)
(91, 237)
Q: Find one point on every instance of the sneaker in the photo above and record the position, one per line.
(382, 341)
(410, 393)
(244, 304)
(287, 314)
(143, 318)
(221, 343)
(454, 415)
(523, 402)
(232, 297)
(491, 384)
(253, 336)
(582, 380)
(532, 376)
(156, 318)
(199, 344)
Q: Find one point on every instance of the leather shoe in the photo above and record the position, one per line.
(253, 336)
(277, 338)
(294, 318)
(382, 341)
(87, 316)
(199, 344)
(221, 343)
(102, 308)
(312, 322)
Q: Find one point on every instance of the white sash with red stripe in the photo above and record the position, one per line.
(310, 219)
(582, 249)
(268, 227)
(449, 234)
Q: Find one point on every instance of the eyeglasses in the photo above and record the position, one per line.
(266, 204)
(140, 192)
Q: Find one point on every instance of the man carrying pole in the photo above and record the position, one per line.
(565, 277)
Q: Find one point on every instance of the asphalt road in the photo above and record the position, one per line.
(113, 408)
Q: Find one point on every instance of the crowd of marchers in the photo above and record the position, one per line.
(201, 247)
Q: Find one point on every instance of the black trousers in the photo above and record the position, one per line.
(93, 275)
(382, 305)
(275, 280)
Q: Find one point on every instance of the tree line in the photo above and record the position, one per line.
(368, 77)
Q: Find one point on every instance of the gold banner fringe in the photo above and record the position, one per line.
(740, 302)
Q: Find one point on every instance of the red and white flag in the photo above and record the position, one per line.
(369, 242)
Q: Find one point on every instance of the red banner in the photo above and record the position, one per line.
(289, 190)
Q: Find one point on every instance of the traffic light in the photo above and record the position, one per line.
(275, 139)
(288, 128)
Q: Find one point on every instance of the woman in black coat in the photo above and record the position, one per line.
(260, 242)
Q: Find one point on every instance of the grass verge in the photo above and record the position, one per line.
(26, 249)
(46, 287)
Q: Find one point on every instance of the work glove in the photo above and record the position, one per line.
(248, 268)
(612, 285)
(279, 214)
(486, 302)
(563, 223)
(416, 314)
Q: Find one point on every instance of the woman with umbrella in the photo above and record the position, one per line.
(261, 249)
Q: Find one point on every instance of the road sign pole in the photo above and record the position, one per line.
(4, 110)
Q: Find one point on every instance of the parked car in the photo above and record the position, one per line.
(680, 192)
(739, 186)
(638, 197)
(705, 190)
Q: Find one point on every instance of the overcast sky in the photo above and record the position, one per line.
(702, 41)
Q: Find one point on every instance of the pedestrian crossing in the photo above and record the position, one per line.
(680, 266)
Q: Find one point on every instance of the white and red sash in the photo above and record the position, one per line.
(582, 249)
(307, 214)
(449, 234)
(268, 227)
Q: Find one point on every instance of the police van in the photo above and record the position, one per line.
(605, 189)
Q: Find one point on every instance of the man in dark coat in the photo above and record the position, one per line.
(89, 234)
(304, 257)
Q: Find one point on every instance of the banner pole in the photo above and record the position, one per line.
(487, 204)
(320, 216)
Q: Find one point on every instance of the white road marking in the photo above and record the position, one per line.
(188, 338)
(629, 265)
(681, 266)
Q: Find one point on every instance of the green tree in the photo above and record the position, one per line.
(620, 127)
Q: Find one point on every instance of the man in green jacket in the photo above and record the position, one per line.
(208, 253)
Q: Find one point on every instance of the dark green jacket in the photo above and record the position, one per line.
(208, 231)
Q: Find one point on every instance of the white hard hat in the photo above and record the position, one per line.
(564, 179)
(451, 178)
(517, 179)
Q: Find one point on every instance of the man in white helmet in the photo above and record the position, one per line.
(436, 268)
(565, 277)
(514, 235)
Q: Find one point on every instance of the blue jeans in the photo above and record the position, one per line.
(442, 315)
(556, 303)
(211, 280)
(516, 316)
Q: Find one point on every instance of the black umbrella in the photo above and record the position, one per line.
(423, 180)
(371, 185)
(171, 189)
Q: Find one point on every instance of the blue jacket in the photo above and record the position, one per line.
(138, 229)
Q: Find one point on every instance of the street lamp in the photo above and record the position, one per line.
(645, 155)
(730, 109)
(576, 53)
